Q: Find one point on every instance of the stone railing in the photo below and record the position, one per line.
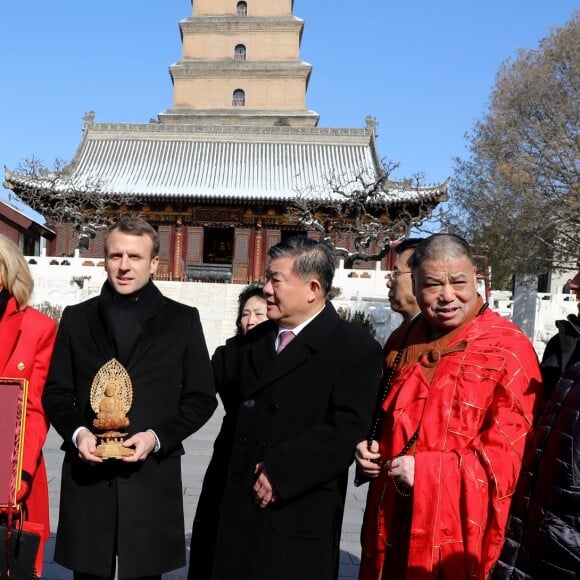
(65, 281)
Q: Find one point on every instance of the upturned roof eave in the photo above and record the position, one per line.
(299, 171)
(429, 195)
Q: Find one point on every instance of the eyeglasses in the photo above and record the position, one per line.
(396, 273)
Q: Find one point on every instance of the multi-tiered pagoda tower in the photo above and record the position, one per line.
(216, 173)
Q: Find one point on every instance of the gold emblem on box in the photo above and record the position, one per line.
(111, 398)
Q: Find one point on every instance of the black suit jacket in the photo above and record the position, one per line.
(302, 413)
(173, 394)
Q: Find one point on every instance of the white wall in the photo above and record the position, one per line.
(363, 290)
(64, 285)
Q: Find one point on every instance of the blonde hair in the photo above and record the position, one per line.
(15, 274)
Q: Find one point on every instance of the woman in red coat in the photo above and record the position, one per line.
(26, 342)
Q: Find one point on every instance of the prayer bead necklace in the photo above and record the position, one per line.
(414, 437)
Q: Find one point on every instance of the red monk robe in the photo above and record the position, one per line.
(473, 398)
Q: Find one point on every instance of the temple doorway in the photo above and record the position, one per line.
(218, 245)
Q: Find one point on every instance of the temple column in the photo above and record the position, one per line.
(258, 266)
(178, 249)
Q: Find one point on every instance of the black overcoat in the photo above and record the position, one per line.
(302, 413)
(543, 531)
(225, 363)
(173, 394)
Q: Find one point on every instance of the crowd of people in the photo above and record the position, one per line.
(468, 445)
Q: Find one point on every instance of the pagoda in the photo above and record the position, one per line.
(216, 173)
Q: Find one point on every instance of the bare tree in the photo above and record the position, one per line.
(63, 200)
(519, 191)
(373, 211)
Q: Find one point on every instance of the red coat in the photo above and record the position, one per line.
(474, 416)
(26, 342)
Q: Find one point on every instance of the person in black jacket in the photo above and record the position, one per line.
(561, 351)
(225, 363)
(543, 533)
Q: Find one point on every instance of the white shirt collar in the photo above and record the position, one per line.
(296, 330)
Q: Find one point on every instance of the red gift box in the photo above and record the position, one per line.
(12, 421)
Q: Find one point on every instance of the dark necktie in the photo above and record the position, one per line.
(285, 338)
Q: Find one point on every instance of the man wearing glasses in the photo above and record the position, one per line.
(458, 398)
(402, 300)
(400, 284)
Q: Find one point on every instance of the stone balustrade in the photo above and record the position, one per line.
(69, 280)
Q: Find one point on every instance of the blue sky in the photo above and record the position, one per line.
(423, 68)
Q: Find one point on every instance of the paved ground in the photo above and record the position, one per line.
(198, 452)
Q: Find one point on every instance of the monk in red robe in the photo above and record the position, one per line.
(461, 386)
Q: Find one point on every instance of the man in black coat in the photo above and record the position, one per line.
(303, 410)
(129, 508)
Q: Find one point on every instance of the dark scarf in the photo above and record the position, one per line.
(125, 317)
(4, 297)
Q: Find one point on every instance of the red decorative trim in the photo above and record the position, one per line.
(13, 393)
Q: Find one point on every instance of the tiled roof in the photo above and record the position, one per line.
(23, 220)
(233, 163)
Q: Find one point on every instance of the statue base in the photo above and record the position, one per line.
(111, 446)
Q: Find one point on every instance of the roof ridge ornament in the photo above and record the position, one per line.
(89, 117)
(371, 123)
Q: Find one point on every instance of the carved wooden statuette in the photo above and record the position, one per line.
(111, 398)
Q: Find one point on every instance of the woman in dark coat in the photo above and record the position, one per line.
(543, 533)
(225, 362)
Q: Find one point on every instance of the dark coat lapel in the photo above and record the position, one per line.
(268, 366)
(150, 333)
(96, 327)
(261, 351)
